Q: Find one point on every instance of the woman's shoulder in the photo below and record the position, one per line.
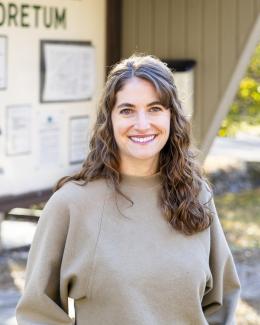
(73, 199)
(206, 193)
(77, 191)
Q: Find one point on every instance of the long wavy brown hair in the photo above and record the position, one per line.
(181, 175)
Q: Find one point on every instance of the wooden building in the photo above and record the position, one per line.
(220, 35)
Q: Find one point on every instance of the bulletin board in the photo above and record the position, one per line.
(52, 70)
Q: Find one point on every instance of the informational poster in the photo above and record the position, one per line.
(1, 154)
(19, 121)
(49, 138)
(1, 150)
(3, 62)
(78, 139)
(67, 71)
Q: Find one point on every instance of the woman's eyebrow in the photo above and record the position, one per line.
(131, 105)
(125, 105)
(155, 103)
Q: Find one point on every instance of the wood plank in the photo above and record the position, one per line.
(113, 32)
(129, 28)
(177, 28)
(161, 30)
(145, 26)
(245, 19)
(257, 8)
(194, 51)
(210, 61)
(228, 41)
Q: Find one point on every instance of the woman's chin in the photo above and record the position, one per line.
(144, 156)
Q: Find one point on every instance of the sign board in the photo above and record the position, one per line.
(183, 74)
(52, 71)
(71, 78)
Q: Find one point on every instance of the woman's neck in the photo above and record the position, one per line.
(139, 168)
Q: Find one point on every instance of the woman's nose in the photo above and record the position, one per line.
(142, 121)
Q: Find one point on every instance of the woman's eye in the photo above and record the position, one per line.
(156, 109)
(126, 111)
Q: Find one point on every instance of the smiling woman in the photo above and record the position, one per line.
(134, 237)
(141, 126)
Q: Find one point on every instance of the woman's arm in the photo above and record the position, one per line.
(223, 289)
(42, 302)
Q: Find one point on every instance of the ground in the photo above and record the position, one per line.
(235, 165)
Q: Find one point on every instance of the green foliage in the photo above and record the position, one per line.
(245, 110)
(254, 67)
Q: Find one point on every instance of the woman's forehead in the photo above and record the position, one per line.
(136, 87)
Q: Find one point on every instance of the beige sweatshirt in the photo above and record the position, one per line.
(125, 268)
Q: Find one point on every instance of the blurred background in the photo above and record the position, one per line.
(54, 57)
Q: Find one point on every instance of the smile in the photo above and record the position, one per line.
(142, 139)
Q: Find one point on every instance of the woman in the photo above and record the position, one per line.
(134, 237)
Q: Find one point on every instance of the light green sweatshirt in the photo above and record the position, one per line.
(124, 264)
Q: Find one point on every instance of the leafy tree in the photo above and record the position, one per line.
(245, 110)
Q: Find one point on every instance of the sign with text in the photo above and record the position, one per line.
(19, 121)
(78, 139)
(67, 71)
(31, 15)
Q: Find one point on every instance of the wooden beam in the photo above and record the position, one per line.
(232, 87)
(113, 32)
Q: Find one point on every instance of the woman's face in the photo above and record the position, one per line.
(141, 124)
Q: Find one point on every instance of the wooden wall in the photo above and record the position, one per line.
(213, 32)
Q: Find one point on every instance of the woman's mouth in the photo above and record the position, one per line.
(142, 139)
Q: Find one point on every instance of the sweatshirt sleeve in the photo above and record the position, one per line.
(223, 288)
(42, 302)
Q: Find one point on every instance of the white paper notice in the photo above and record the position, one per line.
(3, 71)
(78, 139)
(49, 135)
(19, 121)
(69, 72)
(2, 154)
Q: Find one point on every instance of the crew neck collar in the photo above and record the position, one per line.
(141, 181)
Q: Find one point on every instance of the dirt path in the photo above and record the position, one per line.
(248, 267)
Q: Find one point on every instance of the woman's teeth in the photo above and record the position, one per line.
(143, 139)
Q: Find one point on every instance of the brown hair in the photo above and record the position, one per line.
(180, 174)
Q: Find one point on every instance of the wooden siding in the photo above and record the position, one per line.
(213, 32)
